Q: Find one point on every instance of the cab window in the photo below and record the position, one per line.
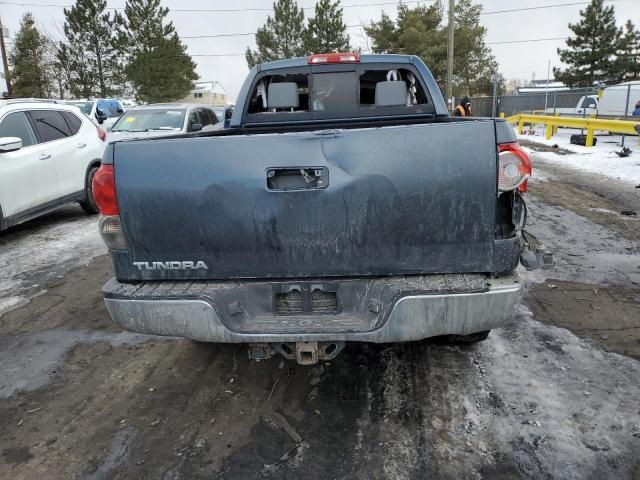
(338, 91)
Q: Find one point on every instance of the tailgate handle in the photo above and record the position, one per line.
(297, 178)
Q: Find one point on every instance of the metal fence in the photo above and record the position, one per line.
(529, 102)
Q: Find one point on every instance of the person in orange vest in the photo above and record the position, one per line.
(463, 109)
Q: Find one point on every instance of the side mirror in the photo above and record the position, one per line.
(196, 127)
(100, 115)
(10, 144)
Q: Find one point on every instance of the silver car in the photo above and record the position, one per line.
(164, 119)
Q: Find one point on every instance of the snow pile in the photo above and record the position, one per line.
(600, 159)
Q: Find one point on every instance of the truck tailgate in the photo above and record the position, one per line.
(377, 201)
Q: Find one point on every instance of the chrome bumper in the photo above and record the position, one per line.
(406, 318)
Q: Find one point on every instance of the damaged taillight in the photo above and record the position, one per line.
(104, 190)
(104, 193)
(514, 167)
(102, 135)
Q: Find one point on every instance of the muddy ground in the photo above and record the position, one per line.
(554, 395)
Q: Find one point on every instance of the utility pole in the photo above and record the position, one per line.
(5, 62)
(494, 99)
(449, 90)
(546, 90)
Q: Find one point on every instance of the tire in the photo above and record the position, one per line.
(471, 338)
(89, 204)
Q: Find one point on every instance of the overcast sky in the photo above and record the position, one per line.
(517, 60)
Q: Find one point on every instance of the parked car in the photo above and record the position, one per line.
(163, 118)
(342, 204)
(49, 153)
(612, 103)
(587, 106)
(102, 111)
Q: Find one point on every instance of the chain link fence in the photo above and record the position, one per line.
(530, 102)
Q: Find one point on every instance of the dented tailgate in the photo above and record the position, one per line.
(364, 202)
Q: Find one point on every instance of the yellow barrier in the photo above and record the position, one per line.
(589, 124)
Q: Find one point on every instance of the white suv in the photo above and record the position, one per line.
(49, 153)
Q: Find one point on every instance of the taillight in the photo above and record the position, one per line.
(104, 193)
(514, 167)
(333, 58)
(104, 190)
(102, 135)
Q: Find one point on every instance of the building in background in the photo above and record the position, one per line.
(208, 93)
(537, 86)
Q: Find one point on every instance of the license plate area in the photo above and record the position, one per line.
(305, 299)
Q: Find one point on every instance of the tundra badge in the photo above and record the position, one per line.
(175, 265)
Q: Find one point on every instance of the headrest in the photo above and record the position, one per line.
(391, 93)
(283, 95)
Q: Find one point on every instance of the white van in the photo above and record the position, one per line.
(612, 101)
(587, 106)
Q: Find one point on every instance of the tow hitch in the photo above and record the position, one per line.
(534, 254)
(305, 353)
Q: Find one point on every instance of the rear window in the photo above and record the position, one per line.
(150, 119)
(111, 108)
(85, 107)
(73, 122)
(302, 94)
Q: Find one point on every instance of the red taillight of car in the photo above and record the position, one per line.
(102, 135)
(514, 167)
(333, 58)
(104, 190)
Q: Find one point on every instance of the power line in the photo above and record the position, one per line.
(259, 9)
(243, 34)
(527, 41)
(220, 10)
(540, 7)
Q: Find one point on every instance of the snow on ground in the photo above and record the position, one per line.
(598, 159)
(584, 250)
(33, 253)
(573, 407)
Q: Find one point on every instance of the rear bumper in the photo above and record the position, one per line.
(390, 309)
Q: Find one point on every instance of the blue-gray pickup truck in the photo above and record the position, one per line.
(342, 204)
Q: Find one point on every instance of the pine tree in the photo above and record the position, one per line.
(627, 63)
(592, 48)
(416, 31)
(28, 61)
(473, 63)
(421, 31)
(163, 74)
(159, 68)
(59, 69)
(90, 50)
(326, 31)
(282, 36)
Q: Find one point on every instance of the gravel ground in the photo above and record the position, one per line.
(553, 395)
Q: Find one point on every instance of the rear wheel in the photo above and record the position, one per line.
(89, 204)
